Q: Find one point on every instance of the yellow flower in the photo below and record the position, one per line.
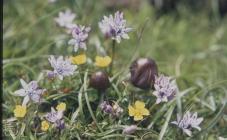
(102, 61)
(20, 111)
(79, 59)
(45, 126)
(61, 107)
(138, 111)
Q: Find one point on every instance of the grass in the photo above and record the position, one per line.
(191, 47)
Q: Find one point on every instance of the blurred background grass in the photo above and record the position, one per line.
(188, 39)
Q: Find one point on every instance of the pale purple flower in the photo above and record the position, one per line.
(105, 107)
(165, 89)
(117, 110)
(129, 129)
(65, 19)
(113, 111)
(62, 67)
(30, 91)
(54, 116)
(115, 27)
(189, 121)
(51, 74)
(80, 35)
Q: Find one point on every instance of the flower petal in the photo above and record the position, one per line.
(20, 92)
(174, 122)
(158, 100)
(23, 83)
(188, 132)
(131, 111)
(26, 100)
(138, 117)
(139, 105)
(197, 127)
(60, 77)
(145, 112)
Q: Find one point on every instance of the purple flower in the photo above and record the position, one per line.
(65, 19)
(30, 91)
(113, 111)
(50, 74)
(80, 35)
(54, 116)
(188, 122)
(62, 67)
(60, 124)
(129, 129)
(115, 27)
(165, 89)
(105, 107)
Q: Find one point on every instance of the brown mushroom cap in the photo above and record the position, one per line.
(143, 71)
(100, 81)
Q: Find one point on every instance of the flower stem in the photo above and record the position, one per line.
(88, 104)
(113, 55)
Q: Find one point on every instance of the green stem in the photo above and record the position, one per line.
(152, 107)
(88, 104)
(113, 55)
(80, 100)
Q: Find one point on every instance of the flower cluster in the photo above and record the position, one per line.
(143, 74)
(114, 110)
(61, 67)
(79, 59)
(189, 121)
(115, 27)
(56, 117)
(138, 110)
(102, 61)
(80, 35)
(165, 89)
(20, 111)
(30, 91)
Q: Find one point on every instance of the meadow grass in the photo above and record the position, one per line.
(191, 47)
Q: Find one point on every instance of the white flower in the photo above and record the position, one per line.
(80, 35)
(62, 67)
(188, 122)
(65, 19)
(165, 89)
(30, 91)
(115, 27)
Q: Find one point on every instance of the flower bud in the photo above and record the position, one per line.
(129, 129)
(117, 110)
(36, 123)
(51, 74)
(106, 107)
(143, 71)
(100, 81)
(60, 124)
